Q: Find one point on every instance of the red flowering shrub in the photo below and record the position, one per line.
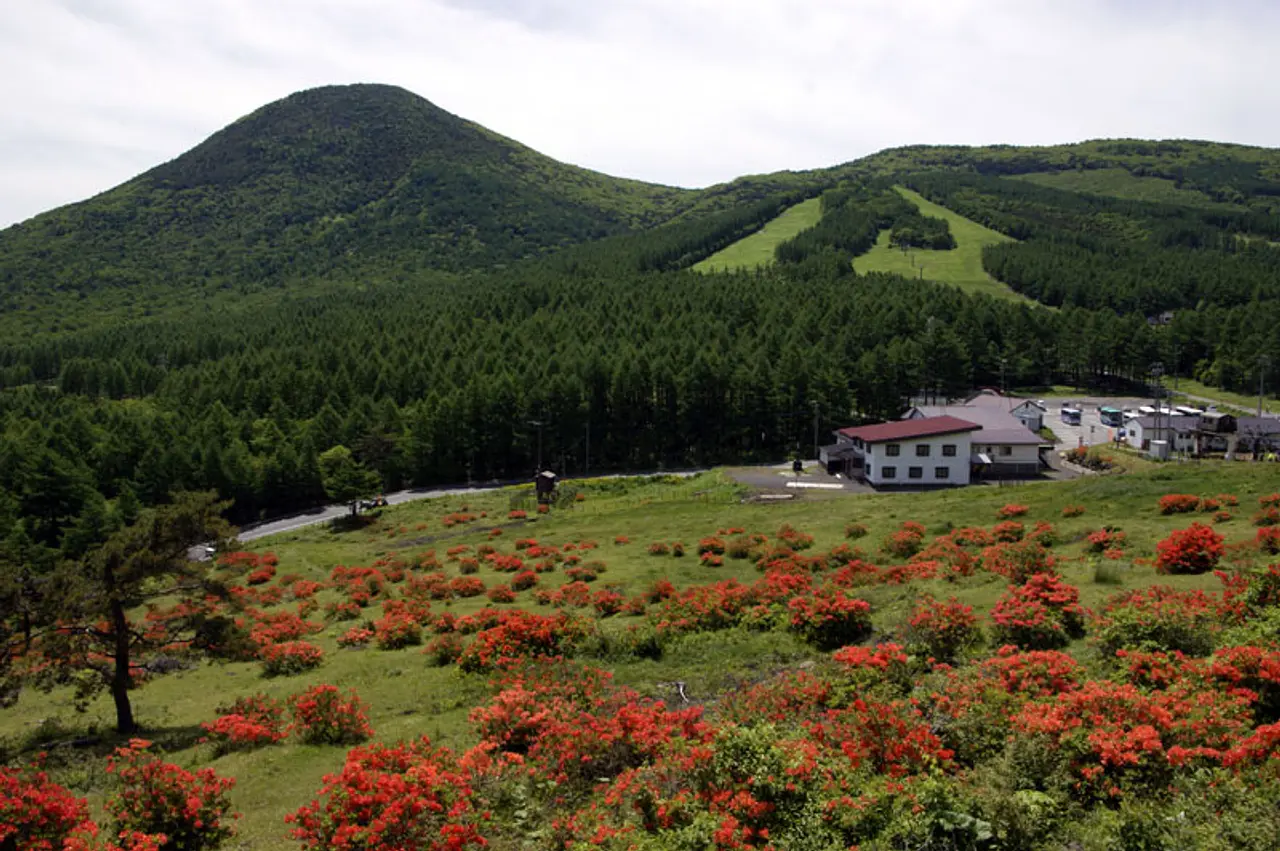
(712, 545)
(1221, 516)
(1034, 673)
(1271, 500)
(1011, 510)
(1253, 673)
(466, 586)
(1195, 549)
(388, 797)
(249, 722)
(501, 594)
(36, 813)
(524, 580)
(890, 738)
(869, 666)
(357, 636)
(829, 619)
(1268, 540)
(790, 537)
(855, 531)
(711, 560)
(659, 548)
(905, 542)
(608, 602)
(155, 797)
(1072, 510)
(397, 629)
(1106, 538)
(1118, 739)
(519, 635)
(1179, 503)
(517, 514)
(276, 627)
(942, 629)
(1041, 614)
(621, 540)
(1017, 562)
(445, 648)
(1157, 618)
(1009, 531)
(322, 716)
(289, 658)
(1269, 516)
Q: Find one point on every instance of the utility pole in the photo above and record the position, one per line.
(538, 424)
(1157, 370)
(1263, 363)
(1003, 361)
(817, 412)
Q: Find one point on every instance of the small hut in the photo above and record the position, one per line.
(545, 485)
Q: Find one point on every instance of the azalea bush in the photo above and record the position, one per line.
(830, 619)
(323, 715)
(942, 629)
(1179, 503)
(1195, 549)
(189, 808)
(36, 813)
(1041, 614)
(1157, 618)
(290, 658)
(392, 797)
(1012, 510)
(249, 722)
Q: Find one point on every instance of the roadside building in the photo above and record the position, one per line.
(927, 452)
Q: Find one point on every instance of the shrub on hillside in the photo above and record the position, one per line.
(904, 543)
(36, 813)
(323, 716)
(1179, 503)
(290, 658)
(1043, 613)
(854, 531)
(1008, 531)
(409, 795)
(1012, 510)
(247, 723)
(1195, 549)
(190, 808)
(1072, 510)
(830, 619)
(943, 629)
(1157, 618)
(1269, 516)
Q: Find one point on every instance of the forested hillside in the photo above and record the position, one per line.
(354, 267)
(339, 184)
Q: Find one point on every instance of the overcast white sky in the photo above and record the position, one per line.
(687, 92)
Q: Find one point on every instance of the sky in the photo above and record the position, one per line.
(682, 92)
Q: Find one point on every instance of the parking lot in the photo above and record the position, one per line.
(1091, 431)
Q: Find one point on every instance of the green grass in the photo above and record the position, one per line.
(756, 250)
(1246, 403)
(1120, 183)
(408, 697)
(960, 267)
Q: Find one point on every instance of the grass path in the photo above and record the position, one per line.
(756, 250)
(960, 267)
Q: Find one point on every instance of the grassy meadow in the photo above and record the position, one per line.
(960, 267)
(408, 696)
(756, 250)
(1120, 183)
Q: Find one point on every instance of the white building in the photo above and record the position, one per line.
(1178, 430)
(927, 452)
(1005, 444)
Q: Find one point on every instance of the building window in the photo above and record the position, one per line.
(915, 472)
(942, 472)
(922, 450)
(888, 472)
(949, 450)
(892, 450)
(868, 471)
(1006, 450)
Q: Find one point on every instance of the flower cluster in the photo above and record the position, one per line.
(322, 715)
(189, 808)
(1041, 614)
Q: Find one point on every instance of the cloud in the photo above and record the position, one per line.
(687, 92)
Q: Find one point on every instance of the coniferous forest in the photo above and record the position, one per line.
(353, 266)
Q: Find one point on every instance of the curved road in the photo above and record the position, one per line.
(329, 512)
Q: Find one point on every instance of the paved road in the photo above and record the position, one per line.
(330, 512)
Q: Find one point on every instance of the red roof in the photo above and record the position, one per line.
(906, 429)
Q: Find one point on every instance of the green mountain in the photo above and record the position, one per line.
(332, 183)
